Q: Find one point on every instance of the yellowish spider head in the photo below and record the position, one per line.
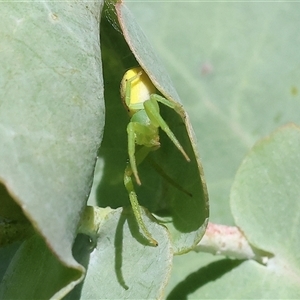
(136, 88)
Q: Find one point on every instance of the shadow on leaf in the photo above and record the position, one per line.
(81, 251)
(203, 276)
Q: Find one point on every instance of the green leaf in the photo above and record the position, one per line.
(14, 225)
(264, 196)
(265, 206)
(35, 273)
(52, 118)
(122, 265)
(264, 201)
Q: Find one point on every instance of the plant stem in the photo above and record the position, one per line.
(230, 241)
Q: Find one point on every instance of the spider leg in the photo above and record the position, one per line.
(152, 110)
(141, 154)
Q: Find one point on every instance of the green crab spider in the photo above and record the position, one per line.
(141, 102)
